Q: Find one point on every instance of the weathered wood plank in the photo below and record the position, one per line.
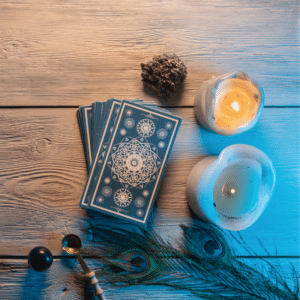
(43, 172)
(73, 52)
(18, 282)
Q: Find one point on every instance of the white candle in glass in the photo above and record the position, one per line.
(231, 190)
(229, 104)
(236, 190)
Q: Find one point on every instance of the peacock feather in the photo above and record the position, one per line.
(202, 264)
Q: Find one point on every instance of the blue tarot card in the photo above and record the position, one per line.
(126, 182)
(108, 119)
(84, 114)
(79, 118)
(101, 111)
(101, 114)
(111, 110)
(97, 110)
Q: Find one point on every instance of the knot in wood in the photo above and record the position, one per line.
(43, 146)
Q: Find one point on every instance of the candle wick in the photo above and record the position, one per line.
(230, 192)
(235, 106)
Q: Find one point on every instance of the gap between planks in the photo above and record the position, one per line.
(161, 106)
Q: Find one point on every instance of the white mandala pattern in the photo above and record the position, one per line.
(134, 162)
(162, 133)
(123, 131)
(107, 180)
(139, 212)
(100, 199)
(161, 144)
(106, 191)
(145, 193)
(168, 125)
(129, 112)
(145, 128)
(129, 123)
(139, 202)
(122, 197)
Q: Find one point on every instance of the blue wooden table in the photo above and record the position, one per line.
(58, 55)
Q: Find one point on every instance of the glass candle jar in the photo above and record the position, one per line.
(229, 104)
(232, 189)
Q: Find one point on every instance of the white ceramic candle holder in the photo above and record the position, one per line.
(229, 104)
(233, 189)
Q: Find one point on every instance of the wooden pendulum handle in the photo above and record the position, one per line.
(95, 284)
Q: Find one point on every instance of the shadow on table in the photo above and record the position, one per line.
(259, 136)
(35, 285)
(174, 99)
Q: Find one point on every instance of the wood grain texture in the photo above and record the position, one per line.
(43, 172)
(73, 52)
(18, 282)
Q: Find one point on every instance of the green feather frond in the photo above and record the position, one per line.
(203, 264)
(297, 281)
(263, 246)
(274, 283)
(117, 248)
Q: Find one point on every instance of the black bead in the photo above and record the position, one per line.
(40, 259)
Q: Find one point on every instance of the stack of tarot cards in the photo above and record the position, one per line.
(127, 145)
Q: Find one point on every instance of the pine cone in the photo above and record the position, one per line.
(163, 74)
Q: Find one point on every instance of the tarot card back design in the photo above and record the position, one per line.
(109, 117)
(84, 115)
(126, 183)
